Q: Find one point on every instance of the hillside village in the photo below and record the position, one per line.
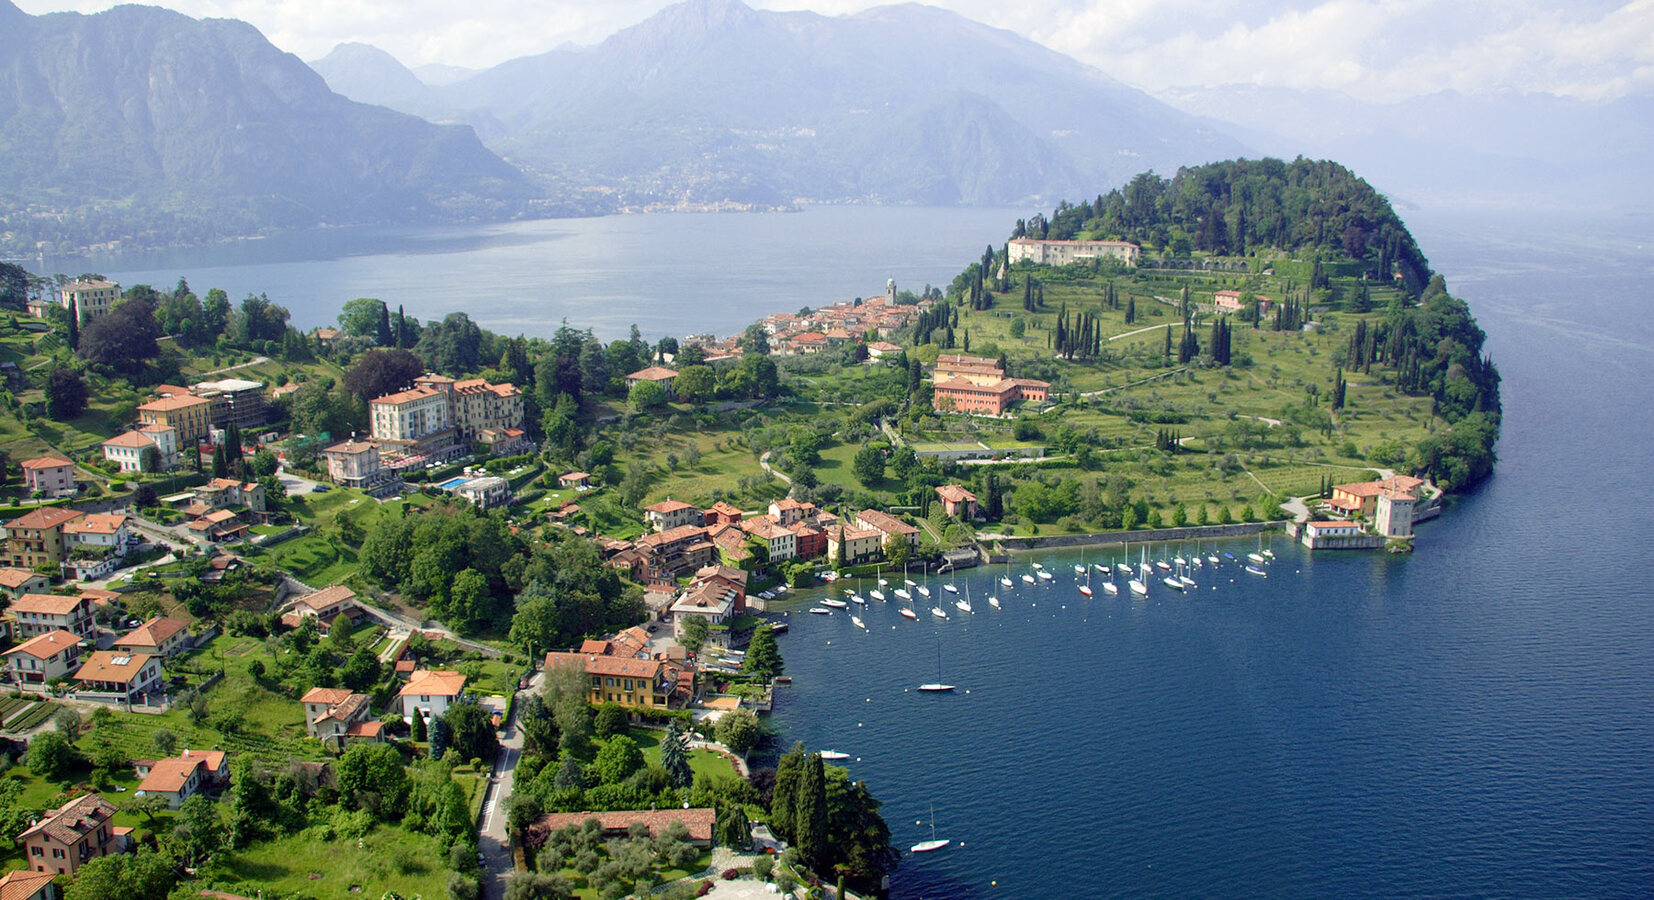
(507, 604)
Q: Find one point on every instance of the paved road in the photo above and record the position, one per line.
(294, 484)
(493, 842)
(765, 462)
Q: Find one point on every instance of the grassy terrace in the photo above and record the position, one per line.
(389, 858)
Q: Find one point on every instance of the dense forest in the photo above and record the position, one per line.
(1239, 207)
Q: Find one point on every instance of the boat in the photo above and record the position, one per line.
(834, 602)
(1100, 567)
(780, 589)
(878, 572)
(1257, 571)
(1140, 584)
(876, 595)
(993, 601)
(1162, 565)
(833, 754)
(964, 603)
(1037, 566)
(938, 612)
(1256, 557)
(934, 843)
(1187, 581)
(856, 621)
(902, 593)
(1180, 562)
(819, 611)
(1172, 582)
(937, 687)
(1110, 588)
(1264, 550)
(766, 595)
(1006, 578)
(1213, 559)
(1027, 579)
(950, 588)
(924, 591)
(908, 613)
(1085, 589)
(778, 628)
(849, 592)
(855, 599)
(1228, 555)
(1079, 567)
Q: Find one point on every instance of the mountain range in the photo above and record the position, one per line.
(710, 100)
(148, 126)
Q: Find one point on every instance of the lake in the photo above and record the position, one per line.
(1476, 719)
(671, 274)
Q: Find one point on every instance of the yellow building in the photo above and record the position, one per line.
(188, 416)
(640, 683)
(36, 537)
(90, 298)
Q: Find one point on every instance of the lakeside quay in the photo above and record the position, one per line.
(1148, 535)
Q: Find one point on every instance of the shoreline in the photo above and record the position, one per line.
(1150, 535)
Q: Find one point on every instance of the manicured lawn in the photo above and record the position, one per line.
(703, 762)
(388, 859)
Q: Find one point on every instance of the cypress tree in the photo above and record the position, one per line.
(784, 797)
(74, 325)
(810, 814)
(382, 335)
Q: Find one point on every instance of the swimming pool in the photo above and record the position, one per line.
(452, 483)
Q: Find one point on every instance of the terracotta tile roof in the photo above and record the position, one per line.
(1320, 525)
(174, 403)
(153, 633)
(885, 523)
(16, 578)
(108, 665)
(409, 396)
(369, 728)
(45, 645)
(45, 517)
(594, 647)
(954, 493)
(73, 820)
(135, 439)
(616, 666)
(23, 884)
(330, 696)
(169, 775)
(672, 536)
(46, 604)
(653, 373)
(668, 506)
(350, 446)
(96, 523)
(698, 821)
(434, 683)
(326, 597)
(213, 758)
(45, 462)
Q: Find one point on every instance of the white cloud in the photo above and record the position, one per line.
(1377, 49)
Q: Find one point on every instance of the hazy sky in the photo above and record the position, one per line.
(1377, 49)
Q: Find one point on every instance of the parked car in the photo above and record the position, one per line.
(322, 488)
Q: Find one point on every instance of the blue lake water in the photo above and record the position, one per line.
(669, 274)
(1474, 720)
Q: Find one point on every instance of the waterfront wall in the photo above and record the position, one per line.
(1189, 533)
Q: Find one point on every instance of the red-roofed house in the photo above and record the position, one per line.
(22, 884)
(669, 514)
(15, 583)
(36, 537)
(644, 683)
(122, 675)
(74, 834)
(162, 636)
(177, 778)
(330, 712)
(39, 613)
(698, 821)
(958, 502)
(44, 657)
(431, 692)
(49, 476)
(666, 378)
(893, 529)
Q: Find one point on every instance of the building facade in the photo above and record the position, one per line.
(189, 417)
(49, 476)
(1066, 253)
(36, 538)
(67, 838)
(90, 298)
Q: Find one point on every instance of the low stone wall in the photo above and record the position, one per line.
(1192, 532)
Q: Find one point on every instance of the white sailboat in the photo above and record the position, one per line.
(1125, 567)
(876, 595)
(938, 612)
(1140, 584)
(965, 604)
(834, 602)
(934, 843)
(833, 755)
(937, 687)
(856, 621)
(1027, 578)
(1006, 578)
(993, 600)
(878, 572)
(908, 613)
